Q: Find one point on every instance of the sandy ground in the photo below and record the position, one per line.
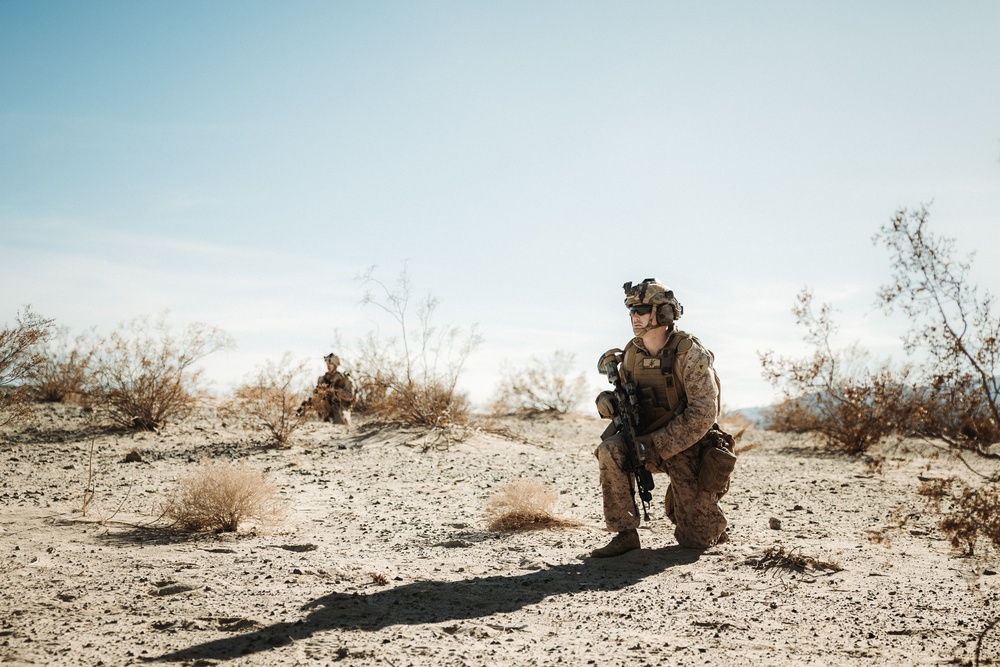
(386, 560)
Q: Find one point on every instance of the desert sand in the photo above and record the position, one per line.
(386, 559)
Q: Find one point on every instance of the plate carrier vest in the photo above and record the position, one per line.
(660, 391)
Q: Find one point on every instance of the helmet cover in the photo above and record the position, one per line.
(651, 292)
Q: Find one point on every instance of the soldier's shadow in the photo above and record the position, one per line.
(426, 602)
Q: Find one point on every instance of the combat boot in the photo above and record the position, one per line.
(623, 542)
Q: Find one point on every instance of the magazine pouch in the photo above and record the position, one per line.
(717, 461)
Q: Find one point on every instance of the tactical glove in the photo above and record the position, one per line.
(606, 404)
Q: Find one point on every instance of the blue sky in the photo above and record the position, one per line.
(240, 163)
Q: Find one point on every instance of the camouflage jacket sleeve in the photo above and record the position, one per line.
(701, 387)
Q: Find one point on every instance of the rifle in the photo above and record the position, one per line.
(626, 420)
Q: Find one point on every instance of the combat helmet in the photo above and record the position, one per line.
(332, 359)
(651, 292)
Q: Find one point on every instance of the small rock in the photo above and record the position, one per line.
(774, 524)
(133, 457)
(454, 544)
(172, 589)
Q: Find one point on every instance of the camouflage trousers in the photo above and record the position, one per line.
(332, 411)
(698, 520)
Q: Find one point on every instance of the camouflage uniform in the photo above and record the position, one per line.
(676, 450)
(333, 397)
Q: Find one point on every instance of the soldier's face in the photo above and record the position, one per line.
(330, 366)
(641, 318)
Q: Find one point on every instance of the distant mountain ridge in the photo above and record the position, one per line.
(756, 416)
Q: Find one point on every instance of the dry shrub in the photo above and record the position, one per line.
(525, 504)
(411, 378)
(792, 415)
(897, 522)
(953, 410)
(389, 396)
(968, 513)
(90, 501)
(834, 392)
(544, 385)
(66, 371)
(20, 360)
(221, 496)
(951, 391)
(144, 372)
(779, 558)
(951, 324)
(740, 450)
(269, 400)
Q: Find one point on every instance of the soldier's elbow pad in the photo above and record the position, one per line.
(612, 356)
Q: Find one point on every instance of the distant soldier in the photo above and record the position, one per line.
(676, 394)
(334, 393)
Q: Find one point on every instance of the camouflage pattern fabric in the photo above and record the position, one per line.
(676, 451)
(333, 397)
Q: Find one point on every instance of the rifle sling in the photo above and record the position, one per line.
(658, 424)
(666, 419)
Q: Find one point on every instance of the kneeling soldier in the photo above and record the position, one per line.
(334, 393)
(676, 397)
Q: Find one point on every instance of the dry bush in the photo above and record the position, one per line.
(90, 502)
(792, 415)
(952, 329)
(221, 496)
(544, 385)
(897, 522)
(968, 513)
(269, 400)
(952, 411)
(371, 384)
(411, 378)
(778, 558)
(66, 371)
(19, 362)
(952, 391)
(144, 373)
(525, 504)
(834, 392)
